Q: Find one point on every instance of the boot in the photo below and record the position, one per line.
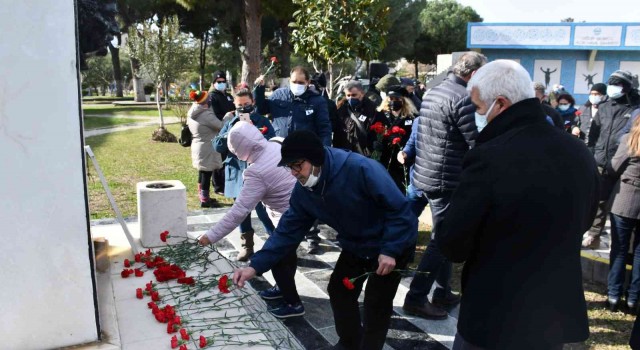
(247, 246)
(206, 201)
(200, 193)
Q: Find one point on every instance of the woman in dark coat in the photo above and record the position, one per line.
(625, 217)
(400, 113)
(566, 108)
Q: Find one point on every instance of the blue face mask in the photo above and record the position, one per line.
(220, 86)
(482, 119)
(353, 102)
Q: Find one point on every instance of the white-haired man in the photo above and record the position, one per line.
(527, 193)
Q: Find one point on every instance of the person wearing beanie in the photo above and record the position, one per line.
(221, 103)
(587, 113)
(385, 83)
(204, 126)
(612, 117)
(376, 230)
(552, 113)
(410, 86)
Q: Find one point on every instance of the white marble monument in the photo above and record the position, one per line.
(162, 206)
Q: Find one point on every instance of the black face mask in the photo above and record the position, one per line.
(395, 105)
(245, 109)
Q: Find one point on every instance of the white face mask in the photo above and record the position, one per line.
(297, 89)
(614, 91)
(312, 180)
(595, 99)
(563, 107)
(481, 119)
(220, 86)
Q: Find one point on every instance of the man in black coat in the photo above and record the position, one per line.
(527, 192)
(445, 132)
(222, 103)
(551, 112)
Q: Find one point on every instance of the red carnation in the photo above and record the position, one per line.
(171, 327)
(183, 347)
(160, 316)
(578, 113)
(203, 341)
(138, 272)
(150, 264)
(186, 280)
(348, 283)
(183, 334)
(177, 320)
(396, 141)
(138, 257)
(174, 342)
(149, 286)
(263, 130)
(398, 130)
(152, 305)
(377, 127)
(273, 59)
(127, 263)
(224, 284)
(155, 296)
(125, 273)
(164, 235)
(139, 293)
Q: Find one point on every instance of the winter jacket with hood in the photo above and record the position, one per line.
(613, 115)
(308, 111)
(263, 179)
(204, 126)
(354, 195)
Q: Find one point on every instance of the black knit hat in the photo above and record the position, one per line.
(621, 77)
(219, 74)
(397, 91)
(302, 144)
(599, 87)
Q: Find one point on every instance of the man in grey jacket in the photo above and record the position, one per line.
(446, 131)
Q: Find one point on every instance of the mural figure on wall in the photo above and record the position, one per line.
(589, 79)
(547, 76)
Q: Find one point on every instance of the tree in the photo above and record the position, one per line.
(164, 52)
(281, 11)
(404, 29)
(96, 27)
(98, 75)
(444, 28)
(329, 31)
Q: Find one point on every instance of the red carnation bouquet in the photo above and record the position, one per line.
(380, 130)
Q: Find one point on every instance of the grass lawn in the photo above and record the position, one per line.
(129, 157)
(609, 330)
(103, 122)
(109, 109)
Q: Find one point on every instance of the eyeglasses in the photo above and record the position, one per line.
(295, 166)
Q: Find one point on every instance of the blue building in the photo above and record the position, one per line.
(575, 55)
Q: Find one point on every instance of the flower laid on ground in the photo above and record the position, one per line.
(164, 235)
(155, 296)
(138, 272)
(183, 334)
(165, 273)
(172, 327)
(186, 280)
(203, 341)
(224, 283)
(348, 283)
(139, 293)
(127, 263)
(183, 347)
(174, 342)
(126, 273)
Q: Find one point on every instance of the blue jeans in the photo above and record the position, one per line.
(621, 229)
(264, 218)
(438, 266)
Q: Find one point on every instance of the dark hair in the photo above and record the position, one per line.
(244, 92)
(567, 97)
(301, 69)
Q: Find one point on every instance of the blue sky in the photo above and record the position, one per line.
(541, 11)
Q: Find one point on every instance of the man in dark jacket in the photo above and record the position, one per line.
(222, 103)
(508, 220)
(613, 115)
(551, 112)
(445, 132)
(376, 230)
(296, 107)
(356, 114)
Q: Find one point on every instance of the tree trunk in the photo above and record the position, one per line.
(165, 94)
(330, 80)
(285, 50)
(117, 70)
(158, 87)
(416, 63)
(251, 34)
(138, 86)
(203, 57)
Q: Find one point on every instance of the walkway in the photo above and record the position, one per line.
(145, 122)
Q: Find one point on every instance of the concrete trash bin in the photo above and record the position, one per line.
(162, 206)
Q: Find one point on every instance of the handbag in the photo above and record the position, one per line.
(185, 136)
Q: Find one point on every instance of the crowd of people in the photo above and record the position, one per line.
(516, 180)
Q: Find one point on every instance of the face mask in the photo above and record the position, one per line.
(563, 107)
(220, 86)
(395, 105)
(297, 89)
(312, 180)
(595, 99)
(614, 91)
(481, 119)
(245, 109)
(353, 102)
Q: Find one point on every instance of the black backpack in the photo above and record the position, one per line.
(185, 136)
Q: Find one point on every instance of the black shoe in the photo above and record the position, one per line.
(632, 307)
(211, 203)
(427, 311)
(613, 304)
(447, 302)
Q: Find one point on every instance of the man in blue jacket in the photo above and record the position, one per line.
(297, 107)
(376, 229)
